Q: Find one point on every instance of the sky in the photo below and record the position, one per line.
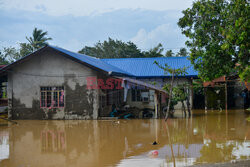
(74, 24)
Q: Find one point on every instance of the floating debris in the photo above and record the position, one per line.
(154, 143)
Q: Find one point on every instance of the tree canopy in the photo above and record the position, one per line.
(118, 49)
(179, 91)
(169, 53)
(218, 33)
(11, 54)
(38, 38)
(112, 49)
(154, 52)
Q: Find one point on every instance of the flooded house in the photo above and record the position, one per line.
(3, 93)
(227, 92)
(54, 83)
(145, 70)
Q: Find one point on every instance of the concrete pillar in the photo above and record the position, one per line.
(10, 95)
(205, 95)
(226, 95)
(156, 105)
(192, 94)
(96, 104)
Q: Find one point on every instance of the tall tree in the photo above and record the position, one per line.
(25, 49)
(118, 49)
(182, 52)
(174, 72)
(11, 54)
(169, 53)
(3, 59)
(218, 33)
(154, 52)
(112, 49)
(38, 39)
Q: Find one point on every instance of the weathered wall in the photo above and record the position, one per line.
(160, 82)
(238, 89)
(139, 104)
(25, 80)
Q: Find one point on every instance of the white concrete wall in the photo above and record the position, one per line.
(160, 82)
(140, 104)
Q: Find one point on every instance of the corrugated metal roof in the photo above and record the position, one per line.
(144, 84)
(145, 67)
(98, 63)
(133, 67)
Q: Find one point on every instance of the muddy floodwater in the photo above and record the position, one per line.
(211, 138)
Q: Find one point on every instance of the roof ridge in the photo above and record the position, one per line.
(136, 67)
(143, 58)
(93, 58)
(73, 52)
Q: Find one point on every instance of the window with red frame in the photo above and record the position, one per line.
(52, 97)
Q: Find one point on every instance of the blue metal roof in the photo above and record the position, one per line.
(145, 67)
(133, 67)
(95, 62)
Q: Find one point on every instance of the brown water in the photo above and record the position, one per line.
(210, 138)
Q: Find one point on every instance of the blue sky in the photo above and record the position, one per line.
(75, 23)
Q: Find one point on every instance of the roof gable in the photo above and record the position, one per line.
(91, 62)
(133, 67)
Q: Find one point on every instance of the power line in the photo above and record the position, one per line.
(45, 75)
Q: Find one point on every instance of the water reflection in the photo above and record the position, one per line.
(203, 139)
(53, 141)
(4, 144)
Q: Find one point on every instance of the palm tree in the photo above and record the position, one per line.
(38, 38)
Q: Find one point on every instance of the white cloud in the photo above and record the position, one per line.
(145, 27)
(167, 34)
(90, 7)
